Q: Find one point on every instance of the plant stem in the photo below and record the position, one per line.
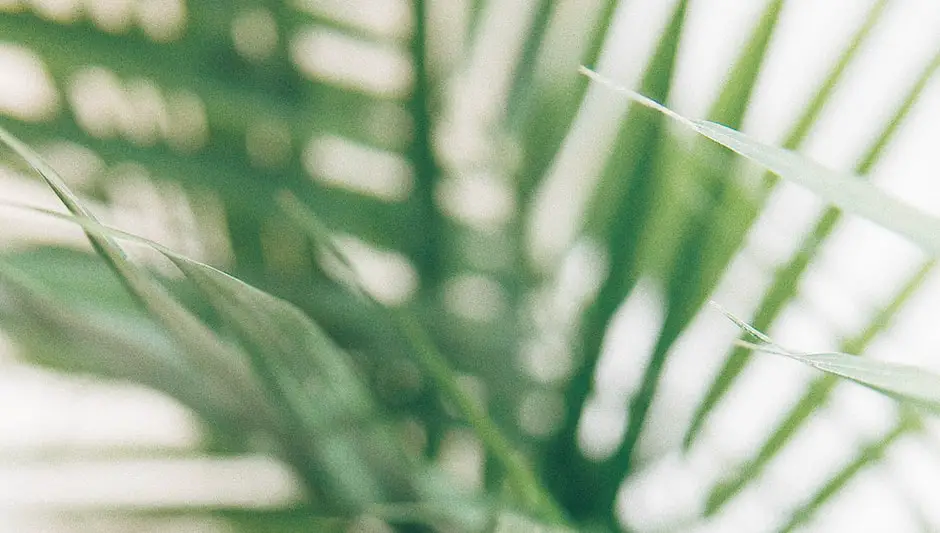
(521, 477)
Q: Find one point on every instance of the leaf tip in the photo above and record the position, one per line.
(634, 96)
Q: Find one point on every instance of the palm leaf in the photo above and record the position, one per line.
(488, 371)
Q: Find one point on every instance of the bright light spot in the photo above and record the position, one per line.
(113, 16)
(26, 90)
(547, 359)
(94, 94)
(62, 11)
(580, 275)
(162, 20)
(601, 427)
(461, 456)
(385, 18)
(387, 276)
(78, 165)
(668, 492)
(105, 107)
(352, 63)
(629, 341)
(150, 483)
(479, 200)
(45, 411)
(143, 117)
(343, 163)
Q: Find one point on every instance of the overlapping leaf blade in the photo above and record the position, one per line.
(118, 344)
(306, 386)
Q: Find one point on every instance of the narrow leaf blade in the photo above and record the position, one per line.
(840, 189)
(899, 381)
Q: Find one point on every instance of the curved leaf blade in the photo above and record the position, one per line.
(838, 188)
(902, 382)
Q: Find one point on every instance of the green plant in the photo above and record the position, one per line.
(304, 354)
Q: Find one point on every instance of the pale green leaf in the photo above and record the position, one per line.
(843, 190)
(305, 387)
(902, 382)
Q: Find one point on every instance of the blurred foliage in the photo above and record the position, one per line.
(371, 184)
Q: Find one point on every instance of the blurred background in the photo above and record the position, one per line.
(558, 246)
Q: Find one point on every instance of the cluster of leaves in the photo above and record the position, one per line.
(302, 361)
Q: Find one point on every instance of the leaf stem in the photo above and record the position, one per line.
(521, 477)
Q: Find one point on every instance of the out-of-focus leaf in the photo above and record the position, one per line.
(522, 82)
(247, 192)
(297, 361)
(806, 120)
(523, 480)
(543, 107)
(307, 386)
(430, 222)
(620, 208)
(900, 381)
(236, 98)
(709, 236)
(116, 343)
(704, 213)
(74, 278)
(209, 354)
(307, 374)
